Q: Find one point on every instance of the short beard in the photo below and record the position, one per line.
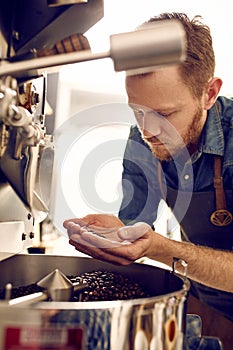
(189, 139)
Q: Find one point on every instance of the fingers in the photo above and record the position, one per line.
(105, 238)
(101, 230)
(74, 227)
(83, 235)
(92, 240)
(97, 220)
(101, 254)
(132, 233)
(80, 222)
(110, 233)
(89, 219)
(96, 246)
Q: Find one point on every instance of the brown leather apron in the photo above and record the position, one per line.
(208, 219)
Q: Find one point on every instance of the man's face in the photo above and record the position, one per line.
(167, 114)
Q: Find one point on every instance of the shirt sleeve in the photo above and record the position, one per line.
(140, 186)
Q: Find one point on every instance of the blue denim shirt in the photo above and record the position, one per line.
(141, 188)
(191, 176)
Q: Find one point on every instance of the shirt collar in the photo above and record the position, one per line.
(212, 139)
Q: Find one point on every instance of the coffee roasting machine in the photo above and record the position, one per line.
(37, 37)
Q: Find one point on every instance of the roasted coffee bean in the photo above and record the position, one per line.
(106, 286)
(21, 291)
(102, 286)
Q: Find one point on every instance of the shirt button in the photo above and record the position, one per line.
(186, 177)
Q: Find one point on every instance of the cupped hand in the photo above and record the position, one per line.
(112, 241)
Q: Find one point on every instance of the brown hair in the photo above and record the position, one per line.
(199, 64)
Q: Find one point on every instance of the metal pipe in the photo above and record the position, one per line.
(154, 45)
(28, 299)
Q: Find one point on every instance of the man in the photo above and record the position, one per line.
(181, 151)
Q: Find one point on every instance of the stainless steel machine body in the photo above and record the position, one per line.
(29, 31)
(158, 320)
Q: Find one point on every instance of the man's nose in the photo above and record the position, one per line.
(151, 125)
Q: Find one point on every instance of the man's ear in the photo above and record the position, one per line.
(212, 90)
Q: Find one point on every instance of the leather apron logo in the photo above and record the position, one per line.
(221, 216)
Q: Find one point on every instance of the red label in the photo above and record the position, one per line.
(37, 338)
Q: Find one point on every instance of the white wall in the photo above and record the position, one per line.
(126, 15)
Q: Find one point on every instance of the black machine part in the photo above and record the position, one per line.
(32, 25)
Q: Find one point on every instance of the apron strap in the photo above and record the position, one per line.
(218, 184)
(221, 216)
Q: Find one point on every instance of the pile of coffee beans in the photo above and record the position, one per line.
(102, 286)
(21, 291)
(106, 286)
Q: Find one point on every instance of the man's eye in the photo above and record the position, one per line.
(165, 115)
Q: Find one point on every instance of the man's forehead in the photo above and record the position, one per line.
(161, 72)
(165, 88)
